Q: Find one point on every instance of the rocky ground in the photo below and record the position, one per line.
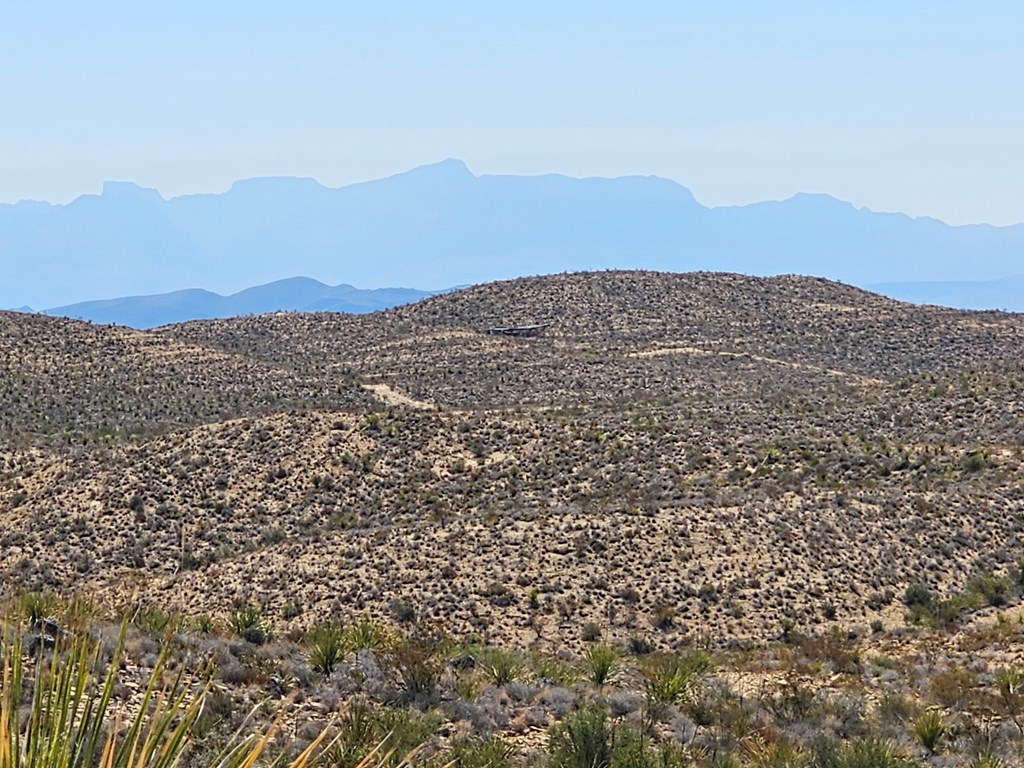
(678, 459)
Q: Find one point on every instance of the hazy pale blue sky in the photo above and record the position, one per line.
(899, 105)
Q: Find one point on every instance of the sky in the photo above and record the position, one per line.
(901, 105)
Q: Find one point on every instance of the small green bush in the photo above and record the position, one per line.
(602, 664)
(327, 647)
(502, 667)
(366, 635)
(918, 593)
(582, 740)
(490, 752)
(247, 623)
(36, 606)
(863, 753)
(993, 590)
(930, 730)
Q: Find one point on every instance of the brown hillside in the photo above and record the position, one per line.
(692, 331)
(70, 381)
(679, 454)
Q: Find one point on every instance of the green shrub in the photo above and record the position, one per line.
(640, 646)
(502, 667)
(930, 730)
(491, 752)
(247, 623)
(204, 624)
(36, 606)
(974, 461)
(631, 750)
(402, 611)
(779, 753)
(418, 664)
(366, 635)
(864, 753)
(993, 590)
(327, 647)
(582, 740)
(1010, 684)
(602, 663)
(403, 731)
(356, 736)
(151, 619)
(918, 593)
(672, 679)
(71, 705)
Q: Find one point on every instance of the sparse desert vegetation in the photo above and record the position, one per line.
(705, 518)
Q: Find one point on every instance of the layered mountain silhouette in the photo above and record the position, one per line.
(441, 225)
(300, 294)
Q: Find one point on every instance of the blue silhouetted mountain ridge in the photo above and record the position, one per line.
(299, 294)
(441, 225)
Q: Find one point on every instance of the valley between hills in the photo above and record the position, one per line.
(677, 461)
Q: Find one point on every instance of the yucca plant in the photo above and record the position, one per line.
(775, 754)
(672, 679)
(502, 667)
(582, 740)
(602, 664)
(930, 729)
(73, 722)
(365, 634)
(247, 622)
(36, 606)
(327, 647)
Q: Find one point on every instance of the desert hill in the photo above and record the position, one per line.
(677, 454)
(624, 336)
(69, 381)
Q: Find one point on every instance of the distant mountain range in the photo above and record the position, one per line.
(441, 225)
(300, 294)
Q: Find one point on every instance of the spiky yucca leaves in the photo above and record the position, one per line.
(602, 664)
(930, 729)
(72, 721)
(327, 647)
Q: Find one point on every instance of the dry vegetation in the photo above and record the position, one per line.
(820, 486)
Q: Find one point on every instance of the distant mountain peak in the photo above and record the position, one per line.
(449, 168)
(301, 294)
(129, 190)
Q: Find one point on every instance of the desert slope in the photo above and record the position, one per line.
(69, 381)
(677, 454)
